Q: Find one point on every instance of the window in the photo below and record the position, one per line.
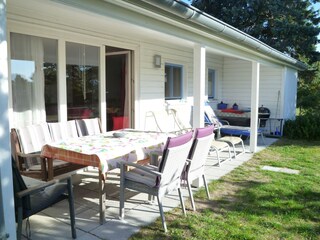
(211, 83)
(173, 81)
(82, 80)
(34, 79)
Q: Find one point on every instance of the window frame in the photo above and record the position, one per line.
(213, 73)
(171, 81)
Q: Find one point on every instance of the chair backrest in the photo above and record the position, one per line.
(33, 137)
(211, 117)
(162, 121)
(63, 130)
(15, 144)
(174, 157)
(200, 147)
(184, 115)
(90, 126)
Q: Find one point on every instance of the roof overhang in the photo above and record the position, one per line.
(187, 16)
(178, 20)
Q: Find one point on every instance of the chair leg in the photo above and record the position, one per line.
(191, 195)
(50, 173)
(71, 209)
(263, 140)
(243, 149)
(229, 152)
(162, 214)
(206, 185)
(218, 156)
(234, 150)
(217, 153)
(182, 202)
(19, 220)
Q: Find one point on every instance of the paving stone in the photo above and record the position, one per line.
(282, 170)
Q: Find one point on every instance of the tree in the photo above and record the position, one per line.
(290, 26)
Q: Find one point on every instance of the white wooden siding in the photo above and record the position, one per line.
(152, 79)
(233, 76)
(290, 95)
(215, 62)
(271, 89)
(236, 84)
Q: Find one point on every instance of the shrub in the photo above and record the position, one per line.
(305, 127)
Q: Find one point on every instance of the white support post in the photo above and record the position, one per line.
(255, 80)
(199, 76)
(62, 82)
(7, 216)
(102, 89)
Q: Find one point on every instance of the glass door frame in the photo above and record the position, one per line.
(128, 82)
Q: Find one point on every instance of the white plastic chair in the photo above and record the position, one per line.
(158, 181)
(26, 150)
(90, 126)
(63, 130)
(212, 119)
(197, 157)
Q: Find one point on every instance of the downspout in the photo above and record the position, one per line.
(215, 25)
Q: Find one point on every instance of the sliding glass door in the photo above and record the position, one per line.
(118, 88)
(82, 71)
(34, 79)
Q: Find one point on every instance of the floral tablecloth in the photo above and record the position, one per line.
(106, 151)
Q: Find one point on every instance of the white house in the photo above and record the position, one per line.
(61, 58)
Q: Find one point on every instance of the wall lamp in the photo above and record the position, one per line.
(157, 61)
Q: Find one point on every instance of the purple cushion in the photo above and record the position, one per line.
(174, 142)
(203, 132)
(179, 140)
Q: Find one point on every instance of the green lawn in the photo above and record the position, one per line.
(251, 203)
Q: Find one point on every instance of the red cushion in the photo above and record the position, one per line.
(120, 122)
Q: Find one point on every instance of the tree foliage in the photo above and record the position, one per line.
(290, 26)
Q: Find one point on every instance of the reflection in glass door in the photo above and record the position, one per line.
(82, 72)
(118, 88)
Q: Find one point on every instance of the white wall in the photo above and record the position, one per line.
(236, 86)
(152, 79)
(215, 62)
(50, 19)
(290, 96)
(271, 89)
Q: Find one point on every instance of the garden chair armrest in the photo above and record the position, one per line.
(35, 154)
(41, 186)
(141, 167)
(224, 122)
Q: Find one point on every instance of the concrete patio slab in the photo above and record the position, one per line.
(53, 223)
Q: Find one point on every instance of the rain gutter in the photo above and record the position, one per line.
(220, 28)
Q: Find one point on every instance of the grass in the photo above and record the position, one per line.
(251, 203)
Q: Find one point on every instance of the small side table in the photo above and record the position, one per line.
(274, 127)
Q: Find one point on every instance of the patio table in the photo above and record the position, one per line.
(106, 152)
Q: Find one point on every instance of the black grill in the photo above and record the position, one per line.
(264, 114)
